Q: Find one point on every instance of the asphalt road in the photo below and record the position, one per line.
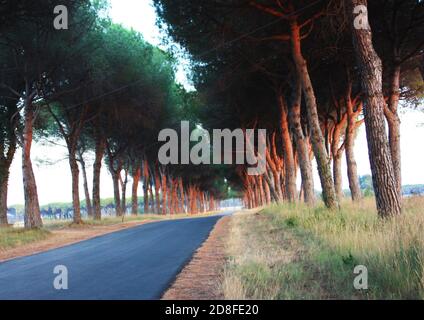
(136, 263)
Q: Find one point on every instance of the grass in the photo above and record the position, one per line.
(296, 252)
(11, 238)
(18, 236)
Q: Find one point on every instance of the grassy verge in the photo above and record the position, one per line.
(18, 236)
(11, 237)
(296, 252)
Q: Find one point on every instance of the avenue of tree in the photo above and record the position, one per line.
(300, 69)
(303, 70)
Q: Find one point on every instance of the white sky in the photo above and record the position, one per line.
(54, 181)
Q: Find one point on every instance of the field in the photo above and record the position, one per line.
(295, 252)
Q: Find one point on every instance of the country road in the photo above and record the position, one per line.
(136, 263)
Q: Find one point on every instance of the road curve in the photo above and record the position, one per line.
(135, 263)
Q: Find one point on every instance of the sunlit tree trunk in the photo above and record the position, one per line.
(289, 165)
(302, 149)
(337, 153)
(351, 129)
(321, 155)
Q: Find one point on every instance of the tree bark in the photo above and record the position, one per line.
(124, 183)
(267, 190)
(337, 153)
(337, 173)
(157, 187)
(6, 158)
(116, 194)
(317, 139)
(75, 186)
(32, 218)
(4, 178)
(289, 165)
(146, 184)
(352, 169)
(302, 149)
(393, 122)
(182, 200)
(134, 193)
(85, 182)
(164, 193)
(99, 152)
(384, 180)
(150, 190)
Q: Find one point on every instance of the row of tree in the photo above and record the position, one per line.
(311, 72)
(99, 87)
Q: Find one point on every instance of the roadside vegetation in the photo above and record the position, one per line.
(296, 252)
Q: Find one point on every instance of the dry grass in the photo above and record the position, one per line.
(11, 237)
(201, 277)
(299, 252)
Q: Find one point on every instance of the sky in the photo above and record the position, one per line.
(51, 167)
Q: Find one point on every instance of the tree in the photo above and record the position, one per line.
(9, 120)
(214, 24)
(384, 181)
(397, 29)
(36, 51)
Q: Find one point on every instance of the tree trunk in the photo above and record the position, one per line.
(146, 184)
(302, 149)
(182, 200)
(6, 158)
(86, 191)
(393, 122)
(164, 193)
(134, 194)
(271, 185)
(75, 186)
(150, 191)
(157, 187)
(384, 181)
(4, 178)
(337, 173)
(289, 166)
(337, 153)
(267, 190)
(116, 193)
(320, 152)
(32, 208)
(352, 170)
(99, 152)
(124, 184)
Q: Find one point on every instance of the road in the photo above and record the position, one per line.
(135, 263)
